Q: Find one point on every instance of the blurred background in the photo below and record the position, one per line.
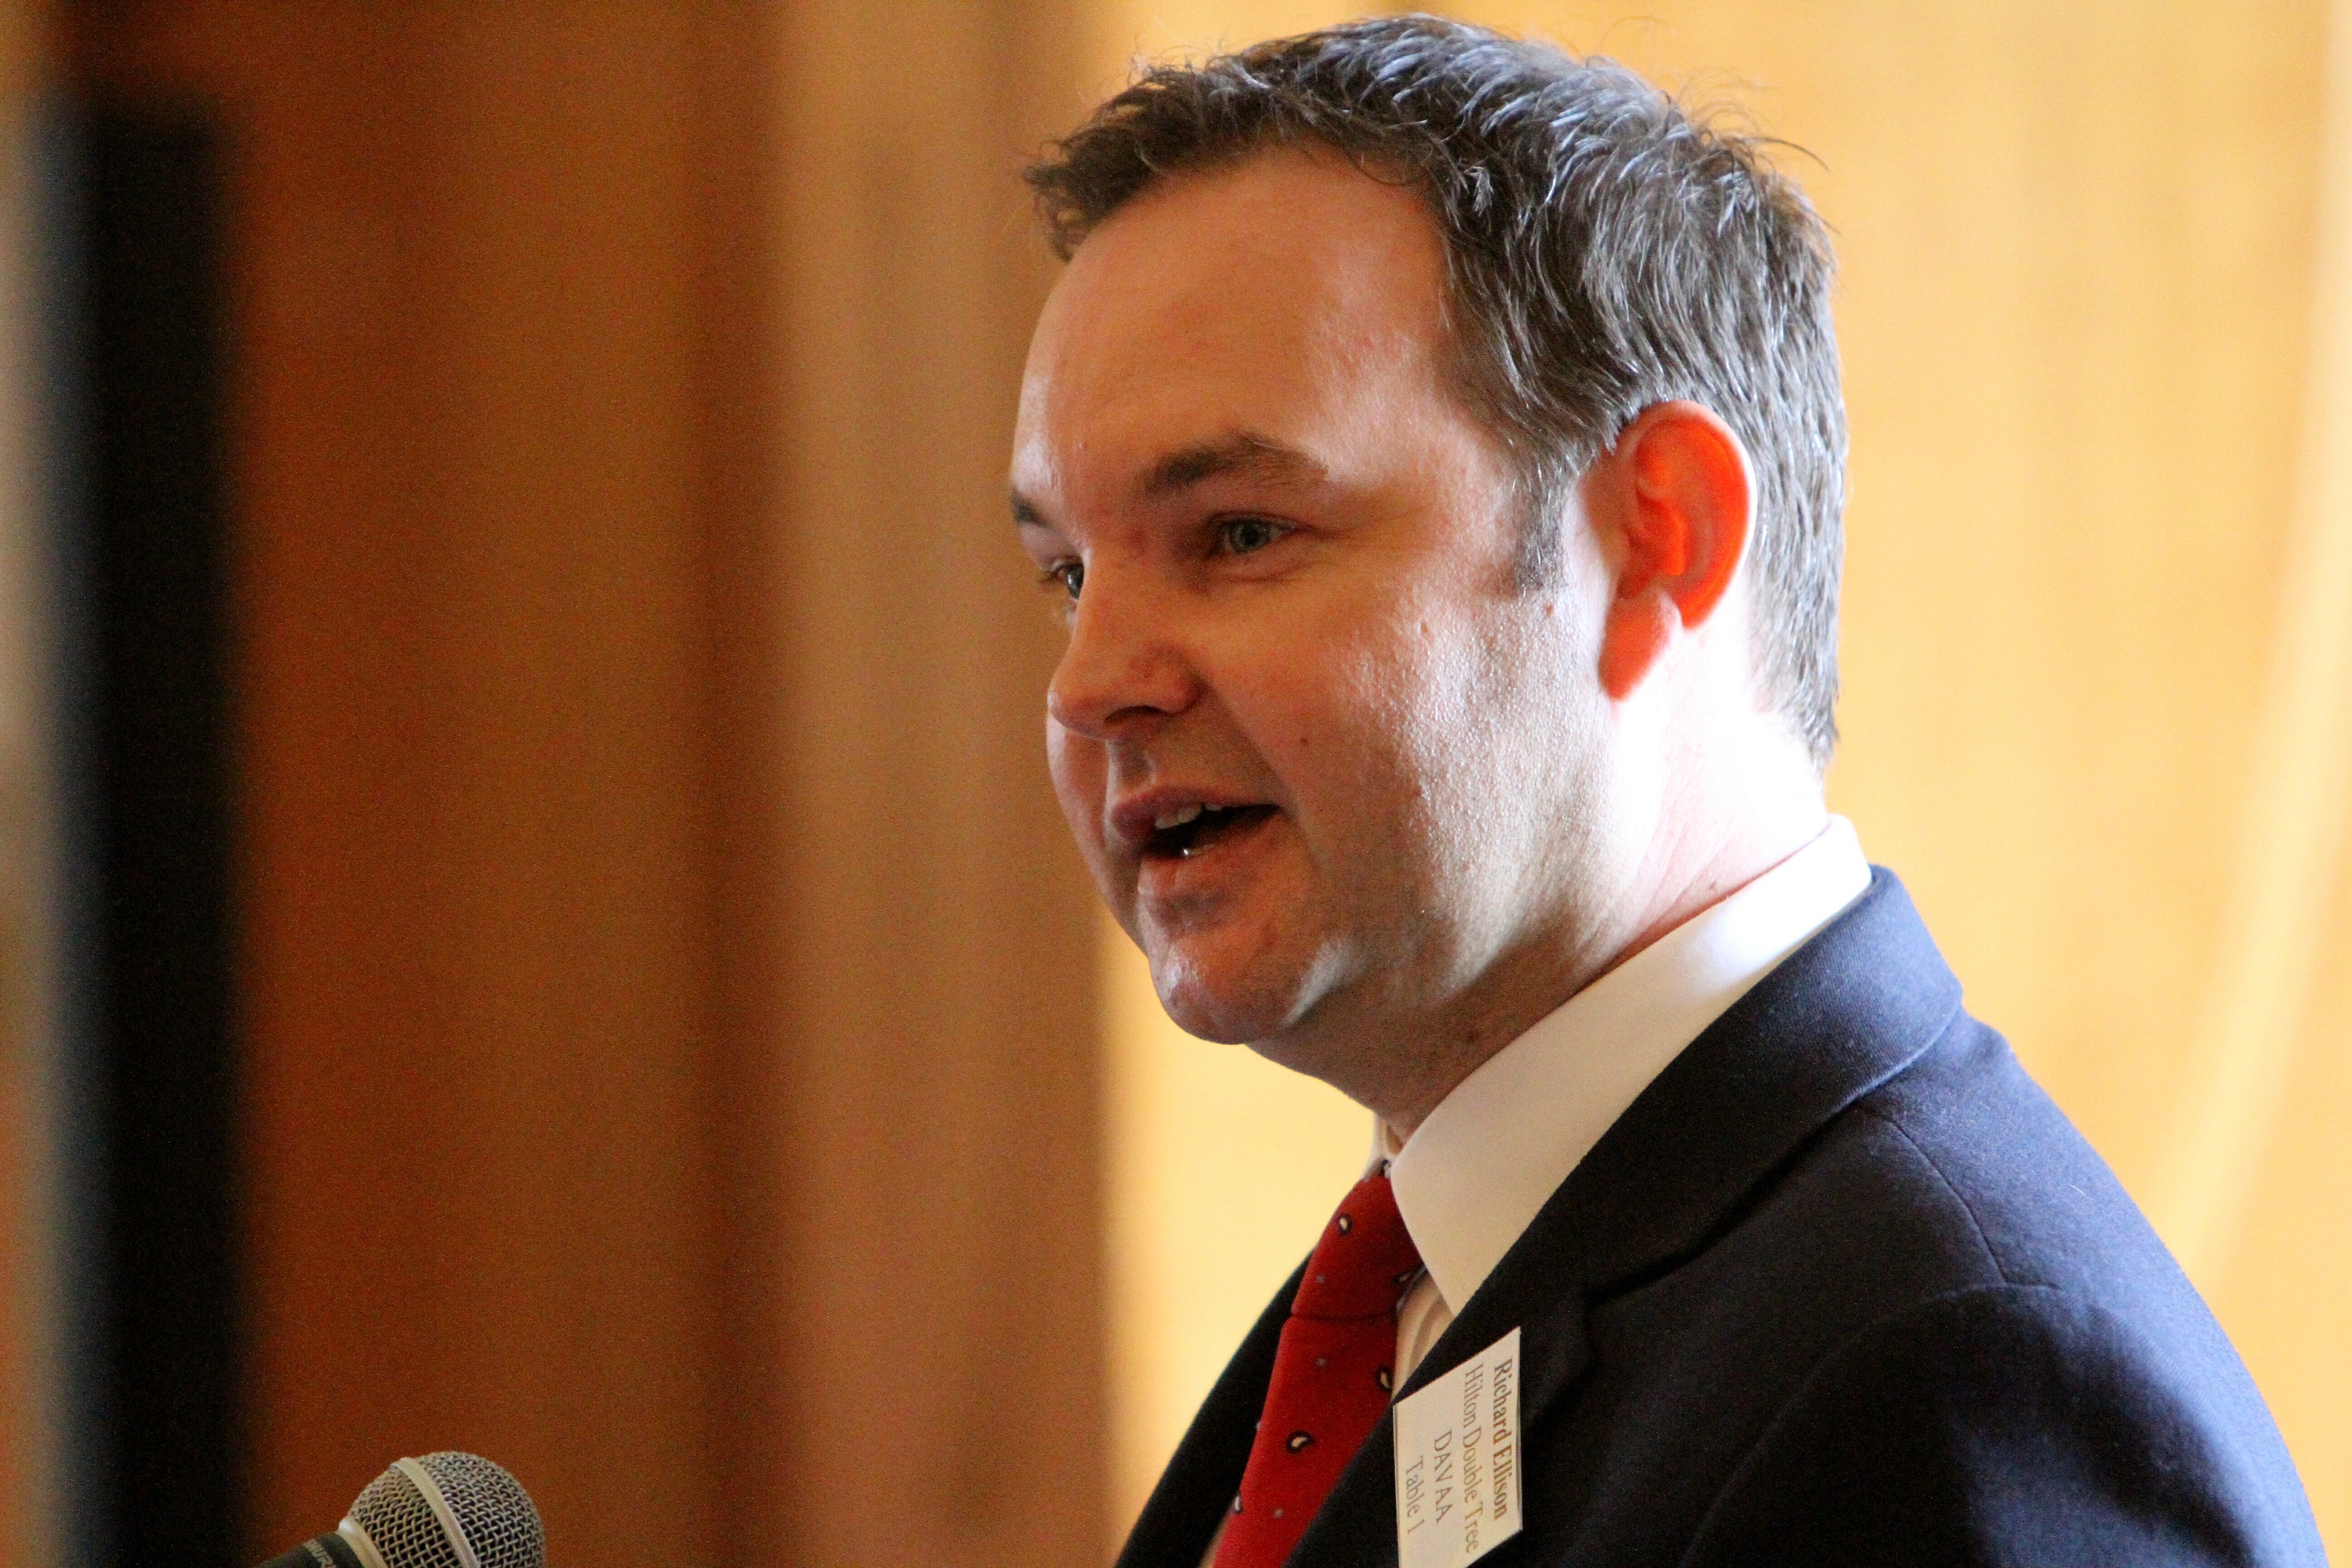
(530, 918)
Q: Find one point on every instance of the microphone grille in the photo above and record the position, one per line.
(490, 1505)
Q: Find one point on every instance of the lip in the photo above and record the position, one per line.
(1130, 820)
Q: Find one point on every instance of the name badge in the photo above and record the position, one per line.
(1457, 1461)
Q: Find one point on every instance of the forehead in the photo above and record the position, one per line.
(1292, 295)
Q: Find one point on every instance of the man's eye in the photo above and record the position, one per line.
(1068, 575)
(1242, 535)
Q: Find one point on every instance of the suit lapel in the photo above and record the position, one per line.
(1842, 1014)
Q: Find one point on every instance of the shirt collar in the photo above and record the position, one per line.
(1474, 1173)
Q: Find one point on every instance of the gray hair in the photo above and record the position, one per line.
(1606, 251)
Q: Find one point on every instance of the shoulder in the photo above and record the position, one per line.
(1844, 1277)
(2000, 1349)
(1937, 1319)
(1967, 1425)
(1973, 1149)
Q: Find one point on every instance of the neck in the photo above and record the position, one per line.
(1697, 851)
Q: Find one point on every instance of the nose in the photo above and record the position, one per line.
(1124, 668)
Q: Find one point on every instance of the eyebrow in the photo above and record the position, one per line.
(1252, 455)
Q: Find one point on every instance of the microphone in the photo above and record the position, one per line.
(444, 1510)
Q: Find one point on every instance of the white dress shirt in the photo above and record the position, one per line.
(1472, 1176)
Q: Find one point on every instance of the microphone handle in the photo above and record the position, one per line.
(328, 1551)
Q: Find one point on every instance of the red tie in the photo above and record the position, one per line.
(1332, 1375)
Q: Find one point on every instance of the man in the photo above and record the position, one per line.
(1438, 447)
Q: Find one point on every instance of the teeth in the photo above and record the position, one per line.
(1178, 818)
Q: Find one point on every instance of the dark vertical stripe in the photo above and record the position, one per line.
(158, 734)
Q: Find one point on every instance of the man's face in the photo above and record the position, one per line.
(1328, 765)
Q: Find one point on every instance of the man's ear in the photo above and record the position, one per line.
(1678, 498)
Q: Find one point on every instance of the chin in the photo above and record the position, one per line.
(1234, 1003)
(1211, 1013)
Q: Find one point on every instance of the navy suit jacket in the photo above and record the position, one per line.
(1842, 1287)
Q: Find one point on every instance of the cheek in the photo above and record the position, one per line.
(1464, 741)
(1354, 722)
(1079, 769)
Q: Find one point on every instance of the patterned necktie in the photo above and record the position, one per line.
(1332, 1375)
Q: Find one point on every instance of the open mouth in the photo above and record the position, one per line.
(1191, 830)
